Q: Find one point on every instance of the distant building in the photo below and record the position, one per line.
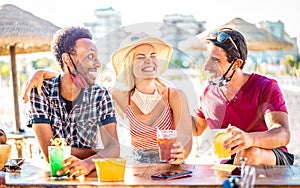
(186, 26)
(107, 20)
(106, 31)
(276, 29)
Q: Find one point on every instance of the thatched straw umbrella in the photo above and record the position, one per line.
(192, 43)
(258, 39)
(22, 32)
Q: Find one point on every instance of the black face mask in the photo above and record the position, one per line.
(78, 80)
(222, 81)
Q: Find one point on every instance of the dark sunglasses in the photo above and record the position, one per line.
(222, 37)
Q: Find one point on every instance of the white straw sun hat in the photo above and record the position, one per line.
(121, 61)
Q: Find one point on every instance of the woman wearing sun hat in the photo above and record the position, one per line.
(147, 102)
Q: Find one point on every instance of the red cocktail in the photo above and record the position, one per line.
(165, 140)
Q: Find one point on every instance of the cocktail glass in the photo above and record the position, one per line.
(165, 140)
(218, 141)
(57, 154)
(110, 169)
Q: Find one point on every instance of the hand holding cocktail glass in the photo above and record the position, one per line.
(170, 150)
(229, 141)
(218, 142)
(58, 152)
(61, 161)
(238, 141)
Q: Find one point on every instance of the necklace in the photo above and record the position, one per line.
(145, 102)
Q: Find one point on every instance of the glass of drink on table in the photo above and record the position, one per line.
(110, 169)
(165, 140)
(58, 152)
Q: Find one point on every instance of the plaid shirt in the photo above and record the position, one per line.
(93, 108)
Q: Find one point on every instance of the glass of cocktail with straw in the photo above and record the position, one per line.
(58, 152)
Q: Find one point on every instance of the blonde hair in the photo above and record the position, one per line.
(122, 60)
(126, 77)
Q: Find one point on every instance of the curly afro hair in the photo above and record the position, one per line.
(64, 41)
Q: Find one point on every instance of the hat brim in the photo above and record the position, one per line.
(163, 50)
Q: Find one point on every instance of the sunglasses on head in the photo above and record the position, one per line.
(222, 37)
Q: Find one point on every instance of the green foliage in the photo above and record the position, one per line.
(5, 72)
(293, 63)
(176, 62)
(23, 66)
(290, 60)
(297, 61)
(42, 63)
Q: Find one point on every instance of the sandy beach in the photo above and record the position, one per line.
(291, 90)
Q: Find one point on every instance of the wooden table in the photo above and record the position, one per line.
(138, 175)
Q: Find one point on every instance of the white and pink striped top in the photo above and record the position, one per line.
(143, 136)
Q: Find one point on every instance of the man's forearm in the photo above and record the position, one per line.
(48, 74)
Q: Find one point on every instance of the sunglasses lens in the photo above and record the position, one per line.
(214, 35)
(222, 37)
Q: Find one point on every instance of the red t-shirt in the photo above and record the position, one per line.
(246, 110)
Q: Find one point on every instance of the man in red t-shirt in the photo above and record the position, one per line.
(250, 107)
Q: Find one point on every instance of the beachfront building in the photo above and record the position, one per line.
(272, 61)
(277, 29)
(185, 22)
(185, 26)
(107, 21)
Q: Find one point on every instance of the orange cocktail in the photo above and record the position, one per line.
(110, 169)
(165, 141)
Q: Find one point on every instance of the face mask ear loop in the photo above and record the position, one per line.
(229, 78)
(228, 70)
(73, 65)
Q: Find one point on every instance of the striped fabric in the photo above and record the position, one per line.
(143, 136)
(282, 157)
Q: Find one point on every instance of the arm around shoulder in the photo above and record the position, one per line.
(36, 81)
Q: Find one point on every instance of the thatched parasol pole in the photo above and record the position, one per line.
(12, 50)
(23, 33)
